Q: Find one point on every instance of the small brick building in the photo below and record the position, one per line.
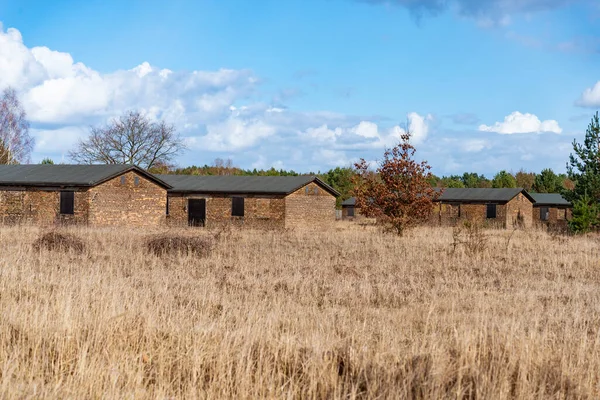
(98, 195)
(349, 210)
(252, 201)
(505, 207)
(551, 209)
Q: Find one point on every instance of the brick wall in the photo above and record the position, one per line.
(519, 212)
(40, 206)
(121, 201)
(450, 214)
(556, 216)
(259, 211)
(310, 207)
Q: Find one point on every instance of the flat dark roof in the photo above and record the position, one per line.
(550, 199)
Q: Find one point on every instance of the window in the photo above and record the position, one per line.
(237, 206)
(306, 189)
(316, 190)
(122, 179)
(136, 181)
(491, 211)
(351, 211)
(167, 210)
(67, 203)
(544, 213)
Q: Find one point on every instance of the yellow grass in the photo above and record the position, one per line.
(350, 313)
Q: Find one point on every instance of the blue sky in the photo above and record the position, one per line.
(308, 85)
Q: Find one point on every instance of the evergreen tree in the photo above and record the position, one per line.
(584, 165)
(585, 215)
(547, 182)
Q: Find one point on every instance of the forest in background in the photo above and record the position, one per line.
(340, 178)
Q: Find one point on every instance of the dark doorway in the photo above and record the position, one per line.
(196, 212)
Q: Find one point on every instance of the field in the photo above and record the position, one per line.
(349, 313)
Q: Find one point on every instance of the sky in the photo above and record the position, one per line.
(308, 85)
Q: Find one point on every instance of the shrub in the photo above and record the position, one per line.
(471, 236)
(55, 241)
(166, 244)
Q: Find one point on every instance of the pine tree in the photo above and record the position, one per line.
(584, 166)
(585, 215)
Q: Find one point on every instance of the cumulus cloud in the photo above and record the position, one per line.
(216, 111)
(522, 123)
(590, 97)
(368, 135)
(57, 90)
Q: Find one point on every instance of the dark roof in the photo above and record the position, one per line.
(550, 199)
(481, 194)
(67, 175)
(242, 184)
(349, 202)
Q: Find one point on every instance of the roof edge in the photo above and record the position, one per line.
(137, 169)
(321, 183)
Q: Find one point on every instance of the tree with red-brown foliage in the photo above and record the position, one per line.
(398, 193)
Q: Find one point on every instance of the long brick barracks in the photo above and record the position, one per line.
(112, 195)
(126, 195)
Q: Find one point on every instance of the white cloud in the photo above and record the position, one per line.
(419, 126)
(55, 141)
(57, 90)
(234, 134)
(475, 145)
(366, 129)
(522, 123)
(217, 111)
(590, 97)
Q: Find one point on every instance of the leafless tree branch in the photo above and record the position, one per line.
(130, 139)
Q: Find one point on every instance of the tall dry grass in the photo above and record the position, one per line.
(349, 313)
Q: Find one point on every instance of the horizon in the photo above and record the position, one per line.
(308, 86)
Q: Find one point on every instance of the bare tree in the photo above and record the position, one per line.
(130, 139)
(15, 142)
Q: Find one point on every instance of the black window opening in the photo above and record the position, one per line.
(544, 213)
(67, 203)
(491, 211)
(237, 206)
(167, 208)
(351, 211)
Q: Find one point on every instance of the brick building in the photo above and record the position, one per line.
(253, 201)
(551, 209)
(505, 207)
(349, 210)
(98, 195)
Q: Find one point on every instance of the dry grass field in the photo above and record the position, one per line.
(351, 313)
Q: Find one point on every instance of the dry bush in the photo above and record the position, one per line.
(343, 315)
(471, 236)
(56, 241)
(169, 244)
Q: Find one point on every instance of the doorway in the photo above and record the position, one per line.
(196, 212)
